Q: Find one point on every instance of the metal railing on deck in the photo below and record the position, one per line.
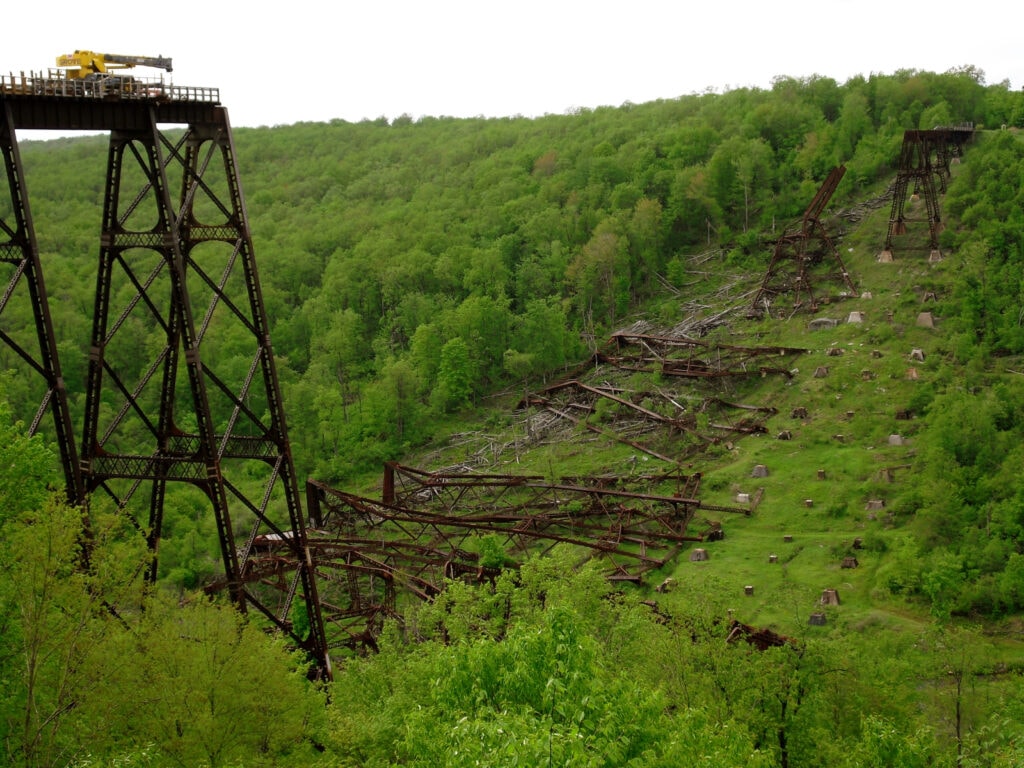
(111, 87)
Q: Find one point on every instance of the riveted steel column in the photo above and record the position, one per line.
(19, 249)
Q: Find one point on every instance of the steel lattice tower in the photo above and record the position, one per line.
(203, 407)
(922, 169)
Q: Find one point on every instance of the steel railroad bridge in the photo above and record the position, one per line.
(175, 254)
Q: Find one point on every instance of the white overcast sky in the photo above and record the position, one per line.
(286, 61)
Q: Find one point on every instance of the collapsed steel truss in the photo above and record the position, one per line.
(641, 419)
(370, 554)
(691, 358)
(925, 158)
(691, 430)
(805, 257)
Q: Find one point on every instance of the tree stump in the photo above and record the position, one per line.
(830, 597)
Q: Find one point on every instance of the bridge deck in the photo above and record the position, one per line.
(52, 102)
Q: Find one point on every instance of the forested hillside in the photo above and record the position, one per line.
(420, 276)
(410, 268)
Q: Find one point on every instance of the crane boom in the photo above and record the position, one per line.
(83, 64)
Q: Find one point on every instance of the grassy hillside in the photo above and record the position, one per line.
(841, 479)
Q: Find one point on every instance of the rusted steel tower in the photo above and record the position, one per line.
(203, 406)
(924, 163)
(805, 257)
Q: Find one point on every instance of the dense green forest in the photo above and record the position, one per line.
(415, 270)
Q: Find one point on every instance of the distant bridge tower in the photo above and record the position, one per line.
(199, 401)
(924, 161)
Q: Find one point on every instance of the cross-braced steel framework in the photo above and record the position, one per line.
(924, 167)
(371, 555)
(201, 406)
(805, 259)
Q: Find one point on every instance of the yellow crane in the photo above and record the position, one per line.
(83, 65)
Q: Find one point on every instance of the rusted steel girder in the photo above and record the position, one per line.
(371, 555)
(444, 492)
(692, 358)
(633, 532)
(458, 488)
(33, 350)
(805, 257)
(41, 101)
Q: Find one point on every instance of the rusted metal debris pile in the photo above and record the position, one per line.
(372, 557)
(676, 426)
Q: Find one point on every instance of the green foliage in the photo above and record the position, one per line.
(93, 671)
(556, 689)
(882, 743)
(969, 520)
(553, 665)
(453, 375)
(48, 630)
(410, 270)
(31, 469)
(379, 244)
(491, 550)
(86, 673)
(214, 689)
